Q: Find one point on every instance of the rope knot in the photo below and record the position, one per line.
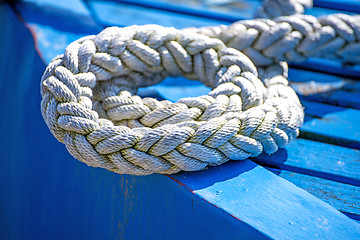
(89, 102)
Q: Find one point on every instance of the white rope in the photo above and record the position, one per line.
(88, 102)
(276, 8)
(269, 43)
(292, 38)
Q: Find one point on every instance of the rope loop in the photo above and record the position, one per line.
(89, 102)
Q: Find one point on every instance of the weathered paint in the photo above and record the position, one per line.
(271, 205)
(344, 197)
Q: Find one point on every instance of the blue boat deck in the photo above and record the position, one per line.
(311, 188)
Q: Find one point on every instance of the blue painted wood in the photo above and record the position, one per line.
(55, 28)
(317, 159)
(108, 13)
(225, 10)
(349, 5)
(344, 197)
(332, 124)
(47, 194)
(355, 87)
(194, 9)
(60, 15)
(327, 66)
(254, 196)
(330, 89)
(339, 97)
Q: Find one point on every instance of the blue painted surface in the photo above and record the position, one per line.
(63, 17)
(327, 66)
(252, 194)
(332, 124)
(47, 194)
(74, 6)
(108, 13)
(340, 97)
(330, 89)
(341, 196)
(195, 9)
(317, 159)
(349, 5)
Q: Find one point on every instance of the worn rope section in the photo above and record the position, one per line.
(89, 102)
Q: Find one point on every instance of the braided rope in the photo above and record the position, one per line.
(275, 8)
(88, 102)
(292, 38)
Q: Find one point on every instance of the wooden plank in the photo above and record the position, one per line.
(325, 88)
(343, 197)
(338, 97)
(230, 10)
(348, 5)
(330, 67)
(108, 12)
(252, 194)
(332, 124)
(316, 159)
(353, 87)
(208, 9)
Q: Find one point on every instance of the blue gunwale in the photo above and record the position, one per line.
(317, 136)
(220, 187)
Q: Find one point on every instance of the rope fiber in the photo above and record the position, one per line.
(89, 99)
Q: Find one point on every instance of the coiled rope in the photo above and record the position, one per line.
(89, 101)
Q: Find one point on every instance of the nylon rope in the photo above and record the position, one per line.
(89, 99)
